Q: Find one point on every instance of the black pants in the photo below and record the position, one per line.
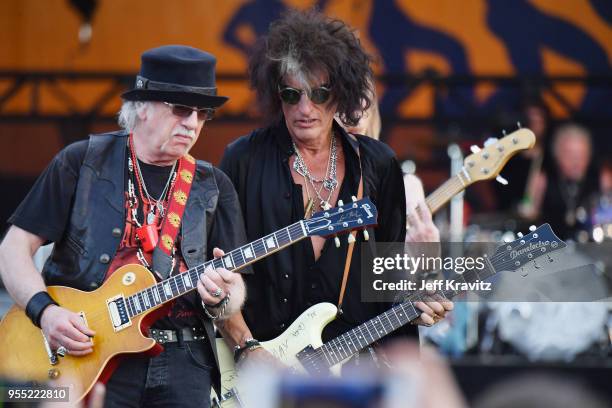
(178, 377)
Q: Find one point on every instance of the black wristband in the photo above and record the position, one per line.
(36, 305)
(250, 344)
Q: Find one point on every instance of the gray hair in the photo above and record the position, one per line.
(290, 65)
(570, 130)
(128, 114)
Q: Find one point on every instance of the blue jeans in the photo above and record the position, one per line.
(178, 377)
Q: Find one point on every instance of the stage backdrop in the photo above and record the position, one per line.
(484, 37)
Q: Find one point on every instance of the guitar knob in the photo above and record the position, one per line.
(474, 149)
(337, 242)
(366, 236)
(351, 238)
(501, 180)
(53, 373)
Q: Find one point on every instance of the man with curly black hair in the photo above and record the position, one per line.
(311, 73)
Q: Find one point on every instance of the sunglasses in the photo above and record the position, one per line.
(292, 96)
(185, 111)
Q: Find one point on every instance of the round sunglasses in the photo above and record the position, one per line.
(292, 96)
(185, 111)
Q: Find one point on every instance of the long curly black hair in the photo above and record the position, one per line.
(304, 43)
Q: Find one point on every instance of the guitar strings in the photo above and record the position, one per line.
(371, 324)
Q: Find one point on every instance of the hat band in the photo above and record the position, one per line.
(144, 83)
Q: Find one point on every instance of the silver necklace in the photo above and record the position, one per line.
(159, 203)
(329, 182)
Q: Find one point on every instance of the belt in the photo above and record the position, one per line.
(173, 336)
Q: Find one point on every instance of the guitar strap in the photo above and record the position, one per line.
(164, 251)
(351, 245)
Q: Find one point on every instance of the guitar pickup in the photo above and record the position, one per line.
(117, 311)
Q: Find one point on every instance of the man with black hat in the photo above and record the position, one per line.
(117, 198)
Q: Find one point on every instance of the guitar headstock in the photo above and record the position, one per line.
(355, 215)
(486, 163)
(538, 243)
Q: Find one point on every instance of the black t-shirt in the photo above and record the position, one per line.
(46, 212)
(288, 282)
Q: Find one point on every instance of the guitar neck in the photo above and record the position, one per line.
(184, 282)
(376, 328)
(358, 338)
(446, 191)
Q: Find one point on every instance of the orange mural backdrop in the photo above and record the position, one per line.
(42, 35)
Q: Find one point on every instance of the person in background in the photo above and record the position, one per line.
(561, 198)
(523, 169)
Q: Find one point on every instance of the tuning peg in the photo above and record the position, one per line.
(340, 203)
(518, 124)
(504, 132)
(366, 236)
(353, 198)
(351, 239)
(474, 149)
(532, 228)
(490, 141)
(337, 242)
(501, 180)
(520, 235)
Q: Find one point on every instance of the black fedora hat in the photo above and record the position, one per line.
(177, 74)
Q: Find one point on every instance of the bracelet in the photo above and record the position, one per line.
(222, 305)
(37, 305)
(249, 344)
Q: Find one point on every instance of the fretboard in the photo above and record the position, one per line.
(446, 191)
(184, 282)
(355, 340)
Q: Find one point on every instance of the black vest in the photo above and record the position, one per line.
(81, 258)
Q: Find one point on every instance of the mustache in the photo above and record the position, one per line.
(185, 132)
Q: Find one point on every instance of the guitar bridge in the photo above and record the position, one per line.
(117, 311)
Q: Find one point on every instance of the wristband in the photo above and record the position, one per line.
(249, 344)
(36, 306)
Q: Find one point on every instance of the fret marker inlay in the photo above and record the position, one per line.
(270, 242)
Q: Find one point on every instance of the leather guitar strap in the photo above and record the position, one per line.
(351, 245)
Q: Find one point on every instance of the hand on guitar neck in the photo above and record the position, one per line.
(421, 229)
(419, 223)
(216, 284)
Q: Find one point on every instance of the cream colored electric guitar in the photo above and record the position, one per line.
(302, 340)
(300, 346)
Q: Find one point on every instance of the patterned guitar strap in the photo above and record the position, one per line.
(163, 255)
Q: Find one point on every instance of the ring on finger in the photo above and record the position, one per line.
(217, 292)
(61, 351)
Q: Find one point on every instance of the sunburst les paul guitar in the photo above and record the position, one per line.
(304, 335)
(122, 309)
